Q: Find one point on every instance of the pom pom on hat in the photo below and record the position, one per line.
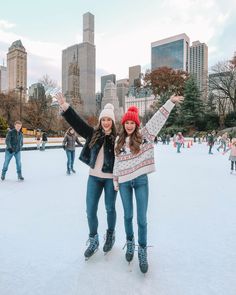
(131, 115)
(108, 111)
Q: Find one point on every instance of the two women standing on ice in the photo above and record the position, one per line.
(134, 159)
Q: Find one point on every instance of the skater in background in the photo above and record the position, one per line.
(134, 159)
(44, 141)
(38, 139)
(211, 141)
(168, 138)
(14, 143)
(223, 142)
(232, 156)
(98, 153)
(68, 144)
(179, 140)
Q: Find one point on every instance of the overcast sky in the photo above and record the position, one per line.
(124, 31)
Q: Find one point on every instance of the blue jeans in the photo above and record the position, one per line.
(140, 186)
(178, 144)
(8, 157)
(43, 146)
(95, 187)
(70, 159)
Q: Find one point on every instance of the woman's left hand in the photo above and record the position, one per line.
(176, 98)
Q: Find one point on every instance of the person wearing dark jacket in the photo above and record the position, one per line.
(98, 154)
(44, 141)
(211, 141)
(14, 143)
(69, 146)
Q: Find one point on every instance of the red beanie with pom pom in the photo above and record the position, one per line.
(131, 115)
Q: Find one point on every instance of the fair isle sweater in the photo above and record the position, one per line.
(129, 166)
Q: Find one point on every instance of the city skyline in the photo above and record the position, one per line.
(119, 35)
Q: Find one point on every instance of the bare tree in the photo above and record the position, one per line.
(47, 82)
(9, 107)
(223, 81)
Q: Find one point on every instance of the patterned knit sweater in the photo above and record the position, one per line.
(129, 166)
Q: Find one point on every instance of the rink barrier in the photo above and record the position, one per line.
(34, 148)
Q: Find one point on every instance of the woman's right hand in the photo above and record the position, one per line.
(62, 101)
(116, 185)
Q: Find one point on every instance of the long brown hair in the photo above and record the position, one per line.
(98, 133)
(134, 142)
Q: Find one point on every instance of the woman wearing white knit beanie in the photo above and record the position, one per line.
(98, 153)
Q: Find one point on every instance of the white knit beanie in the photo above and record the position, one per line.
(108, 111)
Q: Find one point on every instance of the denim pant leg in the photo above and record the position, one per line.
(18, 162)
(210, 148)
(110, 203)
(141, 195)
(126, 193)
(178, 147)
(94, 191)
(68, 154)
(72, 159)
(232, 165)
(8, 157)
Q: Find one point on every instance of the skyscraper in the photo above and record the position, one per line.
(110, 96)
(36, 91)
(17, 68)
(122, 88)
(3, 79)
(199, 65)
(134, 75)
(84, 55)
(104, 79)
(171, 52)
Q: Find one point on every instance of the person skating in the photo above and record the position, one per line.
(232, 156)
(179, 141)
(68, 144)
(14, 143)
(98, 153)
(223, 142)
(211, 141)
(134, 159)
(44, 141)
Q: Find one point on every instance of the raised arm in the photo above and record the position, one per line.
(75, 121)
(154, 125)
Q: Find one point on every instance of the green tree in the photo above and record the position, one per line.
(3, 127)
(192, 109)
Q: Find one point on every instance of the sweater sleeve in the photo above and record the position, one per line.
(64, 140)
(115, 167)
(157, 121)
(80, 126)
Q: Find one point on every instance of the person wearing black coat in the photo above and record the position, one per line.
(98, 154)
(14, 143)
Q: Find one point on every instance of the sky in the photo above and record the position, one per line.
(124, 31)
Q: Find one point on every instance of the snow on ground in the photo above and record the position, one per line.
(191, 228)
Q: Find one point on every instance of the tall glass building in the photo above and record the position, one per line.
(171, 52)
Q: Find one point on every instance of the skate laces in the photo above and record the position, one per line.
(130, 246)
(142, 253)
(93, 243)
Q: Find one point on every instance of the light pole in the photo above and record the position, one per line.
(20, 88)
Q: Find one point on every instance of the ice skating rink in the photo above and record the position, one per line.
(191, 229)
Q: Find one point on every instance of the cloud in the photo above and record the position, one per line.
(43, 57)
(129, 42)
(4, 25)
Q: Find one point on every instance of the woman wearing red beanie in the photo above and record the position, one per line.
(134, 159)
